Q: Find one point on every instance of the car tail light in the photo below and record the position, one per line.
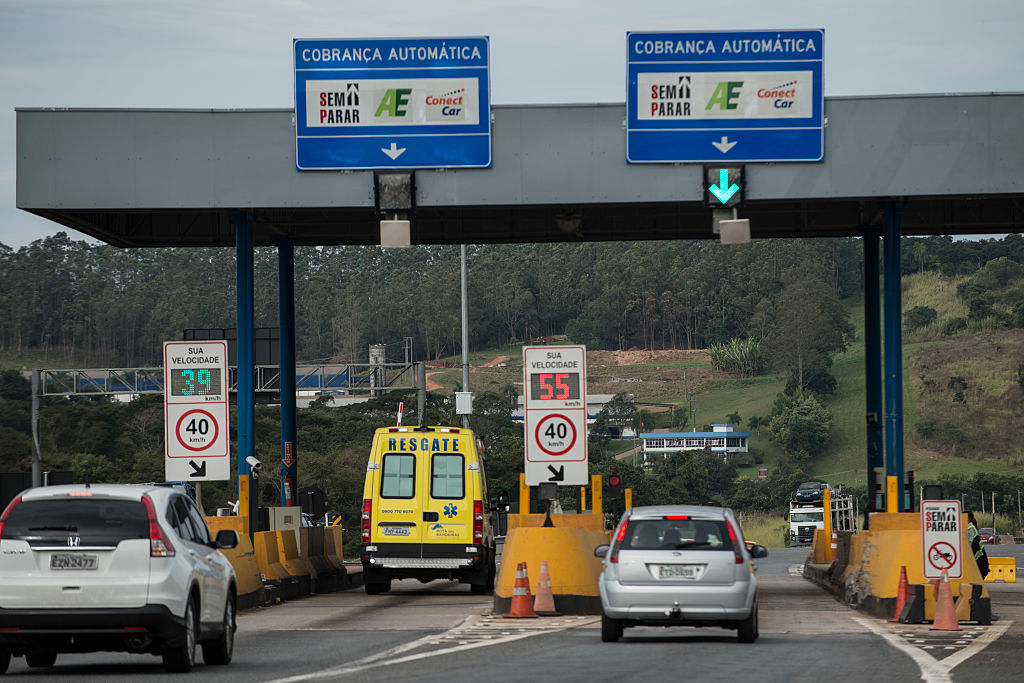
(159, 544)
(364, 522)
(478, 521)
(677, 516)
(7, 513)
(620, 536)
(735, 542)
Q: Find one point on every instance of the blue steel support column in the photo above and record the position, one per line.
(893, 349)
(873, 365)
(246, 390)
(286, 308)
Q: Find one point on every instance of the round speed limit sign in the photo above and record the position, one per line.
(197, 430)
(556, 434)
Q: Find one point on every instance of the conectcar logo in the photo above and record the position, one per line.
(784, 95)
(450, 103)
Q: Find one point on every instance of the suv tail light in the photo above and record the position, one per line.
(364, 522)
(620, 536)
(478, 521)
(159, 544)
(735, 542)
(7, 513)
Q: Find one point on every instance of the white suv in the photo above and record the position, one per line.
(113, 567)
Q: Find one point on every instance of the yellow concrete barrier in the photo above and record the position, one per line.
(305, 557)
(560, 520)
(288, 553)
(1001, 569)
(569, 552)
(333, 546)
(249, 582)
(265, 546)
(870, 577)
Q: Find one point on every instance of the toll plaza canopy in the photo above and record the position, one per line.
(149, 178)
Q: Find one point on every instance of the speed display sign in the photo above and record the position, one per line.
(555, 379)
(196, 411)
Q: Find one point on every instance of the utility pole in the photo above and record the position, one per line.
(465, 335)
(37, 453)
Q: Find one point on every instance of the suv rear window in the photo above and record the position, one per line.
(93, 521)
(691, 534)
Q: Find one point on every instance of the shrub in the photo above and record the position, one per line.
(954, 325)
(738, 355)
(919, 316)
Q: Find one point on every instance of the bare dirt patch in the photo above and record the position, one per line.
(641, 357)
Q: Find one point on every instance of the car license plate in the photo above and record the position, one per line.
(678, 571)
(395, 531)
(72, 561)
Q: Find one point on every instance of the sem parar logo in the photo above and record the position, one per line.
(725, 96)
(394, 103)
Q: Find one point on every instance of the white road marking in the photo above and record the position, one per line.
(933, 670)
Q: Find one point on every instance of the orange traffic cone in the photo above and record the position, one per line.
(945, 610)
(901, 594)
(544, 603)
(522, 605)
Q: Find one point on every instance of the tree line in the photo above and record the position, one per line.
(105, 306)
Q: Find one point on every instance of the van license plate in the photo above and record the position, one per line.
(677, 571)
(395, 531)
(70, 561)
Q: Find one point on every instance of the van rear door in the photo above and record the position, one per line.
(448, 495)
(398, 503)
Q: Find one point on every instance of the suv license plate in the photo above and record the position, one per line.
(72, 561)
(677, 571)
(395, 531)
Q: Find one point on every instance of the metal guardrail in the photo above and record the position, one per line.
(327, 378)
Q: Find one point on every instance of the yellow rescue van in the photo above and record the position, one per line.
(425, 510)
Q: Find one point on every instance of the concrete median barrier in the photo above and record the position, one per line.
(289, 558)
(249, 581)
(333, 546)
(866, 571)
(569, 552)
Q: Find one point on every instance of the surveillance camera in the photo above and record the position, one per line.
(254, 465)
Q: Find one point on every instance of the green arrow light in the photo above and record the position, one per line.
(723, 190)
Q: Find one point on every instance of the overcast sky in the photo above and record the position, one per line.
(237, 53)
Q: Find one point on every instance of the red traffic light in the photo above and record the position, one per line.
(613, 480)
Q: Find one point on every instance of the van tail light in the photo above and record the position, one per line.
(735, 542)
(364, 522)
(620, 536)
(159, 544)
(7, 513)
(478, 521)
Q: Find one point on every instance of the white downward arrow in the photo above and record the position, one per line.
(723, 146)
(394, 152)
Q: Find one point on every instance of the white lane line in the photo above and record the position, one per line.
(989, 636)
(932, 670)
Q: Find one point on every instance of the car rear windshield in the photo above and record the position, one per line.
(77, 521)
(695, 534)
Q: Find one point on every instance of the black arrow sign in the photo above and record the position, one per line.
(200, 470)
(556, 475)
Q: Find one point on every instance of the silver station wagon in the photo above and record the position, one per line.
(679, 565)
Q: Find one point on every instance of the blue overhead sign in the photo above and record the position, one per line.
(392, 103)
(725, 97)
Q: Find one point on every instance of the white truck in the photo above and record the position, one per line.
(804, 518)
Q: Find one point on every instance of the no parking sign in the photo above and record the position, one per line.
(941, 533)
